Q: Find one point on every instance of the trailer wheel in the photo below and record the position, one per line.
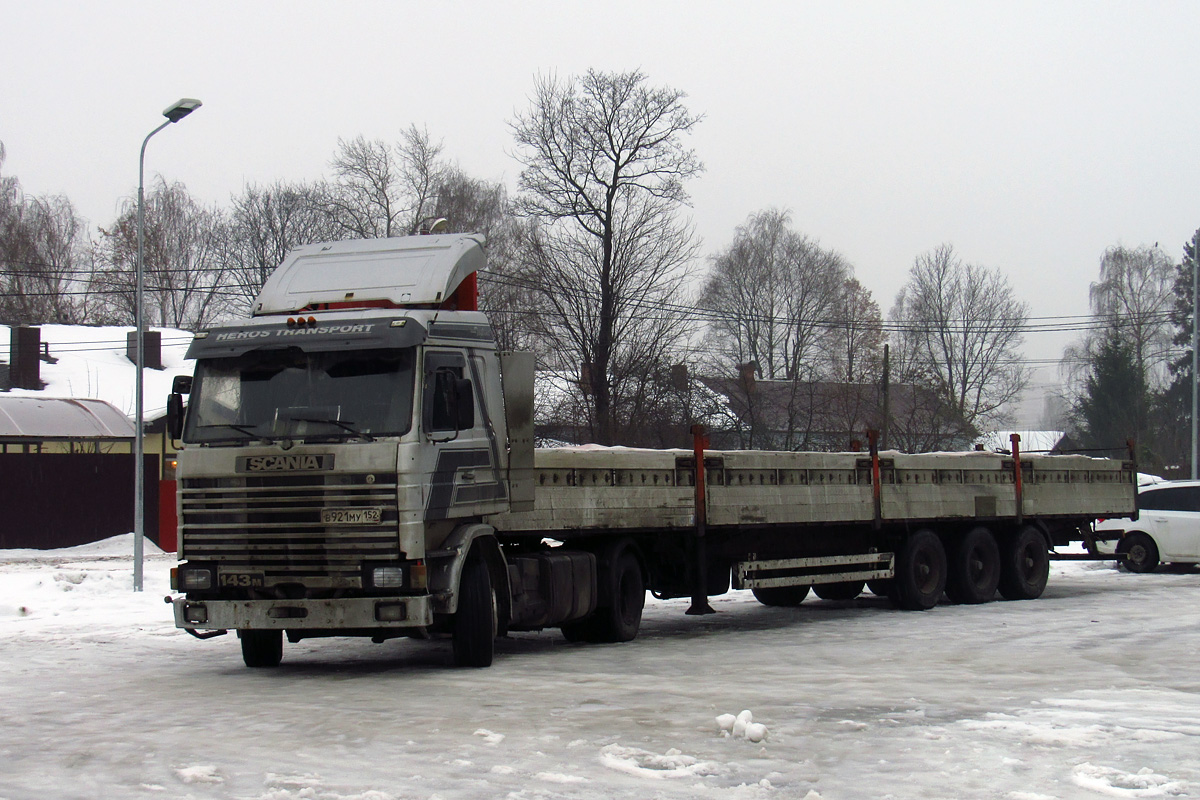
(920, 571)
(475, 622)
(261, 648)
(620, 621)
(974, 568)
(1024, 565)
(1141, 553)
(882, 587)
(780, 595)
(583, 630)
(842, 590)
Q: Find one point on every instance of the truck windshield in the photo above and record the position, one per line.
(290, 394)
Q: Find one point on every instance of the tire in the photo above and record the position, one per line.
(261, 648)
(620, 621)
(783, 596)
(882, 587)
(1024, 565)
(1141, 553)
(582, 630)
(475, 621)
(920, 571)
(843, 590)
(973, 572)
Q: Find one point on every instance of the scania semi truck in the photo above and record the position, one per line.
(358, 459)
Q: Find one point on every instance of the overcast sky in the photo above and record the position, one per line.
(1031, 136)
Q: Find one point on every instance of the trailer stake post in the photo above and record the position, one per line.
(876, 487)
(1015, 438)
(700, 578)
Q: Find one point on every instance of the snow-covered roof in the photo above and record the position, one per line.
(91, 364)
(47, 417)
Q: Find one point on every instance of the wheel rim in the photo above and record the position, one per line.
(926, 575)
(1137, 553)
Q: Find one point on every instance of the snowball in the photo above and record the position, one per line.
(756, 731)
(725, 722)
(739, 724)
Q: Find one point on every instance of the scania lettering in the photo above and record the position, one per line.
(358, 460)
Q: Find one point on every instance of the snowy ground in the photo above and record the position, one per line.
(1092, 691)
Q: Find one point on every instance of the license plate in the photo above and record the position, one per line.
(243, 580)
(351, 516)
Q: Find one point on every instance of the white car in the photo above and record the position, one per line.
(1167, 529)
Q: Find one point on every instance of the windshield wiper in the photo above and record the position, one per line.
(246, 429)
(347, 426)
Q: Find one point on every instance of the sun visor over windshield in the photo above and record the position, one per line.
(370, 334)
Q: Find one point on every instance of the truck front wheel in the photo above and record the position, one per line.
(475, 622)
(261, 648)
(920, 571)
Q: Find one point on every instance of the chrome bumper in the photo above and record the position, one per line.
(357, 612)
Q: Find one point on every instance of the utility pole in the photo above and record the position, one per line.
(887, 411)
(1195, 352)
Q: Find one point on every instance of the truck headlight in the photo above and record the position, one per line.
(387, 577)
(194, 579)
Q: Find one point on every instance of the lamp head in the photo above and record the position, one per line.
(181, 108)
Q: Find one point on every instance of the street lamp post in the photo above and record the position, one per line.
(174, 112)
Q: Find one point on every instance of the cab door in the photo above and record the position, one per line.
(463, 478)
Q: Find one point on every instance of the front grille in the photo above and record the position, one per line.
(271, 524)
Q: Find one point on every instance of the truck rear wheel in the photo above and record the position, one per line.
(920, 571)
(475, 622)
(261, 648)
(842, 590)
(620, 621)
(781, 595)
(974, 568)
(1024, 565)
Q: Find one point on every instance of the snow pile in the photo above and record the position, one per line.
(742, 726)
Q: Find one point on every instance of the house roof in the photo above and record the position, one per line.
(89, 362)
(1031, 441)
(61, 417)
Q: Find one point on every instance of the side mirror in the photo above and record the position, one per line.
(464, 400)
(175, 414)
(182, 384)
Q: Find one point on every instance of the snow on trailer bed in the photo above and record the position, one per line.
(1091, 692)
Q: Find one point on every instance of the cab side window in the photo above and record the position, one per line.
(449, 398)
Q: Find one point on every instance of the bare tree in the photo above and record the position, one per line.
(774, 295)
(645, 276)
(1134, 296)
(960, 325)
(264, 224)
(183, 276)
(43, 254)
(604, 165)
(384, 189)
(789, 312)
